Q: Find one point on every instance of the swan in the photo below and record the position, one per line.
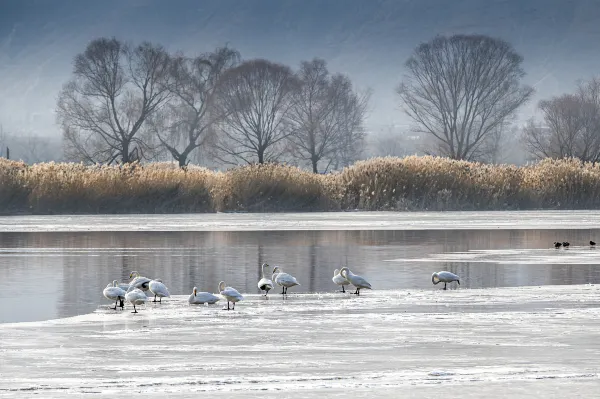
(357, 281)
(339, 279)
(202, 297)
(444, 277)
(231, 294)
(284, 280)
(158, 289)
(135, 296)
(139, 281)
(113, 292)
(265, 284)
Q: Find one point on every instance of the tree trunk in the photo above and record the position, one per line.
(125, 153)
(314, 165)
(261, 156)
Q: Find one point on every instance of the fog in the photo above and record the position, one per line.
(368, 41)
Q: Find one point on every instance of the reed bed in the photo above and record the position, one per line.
(411, 183)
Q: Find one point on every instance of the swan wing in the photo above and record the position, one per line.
(340, 280)
(287, 280)
(265, 283)
(158, 288)
(359, 282)
(447, 277)
(230, 292)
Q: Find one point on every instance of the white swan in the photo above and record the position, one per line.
(139, 281)
(202, 297)
(358, 281)
(135, 296)
(231, 294)
(265, 284)
(339, 279)
(113, 292)
(284, 280)
(158, 289)
(444, 277)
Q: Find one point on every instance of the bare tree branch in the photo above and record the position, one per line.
(187, 121)
(323, 106)
(114, 90)
(571, 126)
(254, 100)
(460, 89)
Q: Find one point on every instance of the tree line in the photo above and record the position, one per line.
(128, 103)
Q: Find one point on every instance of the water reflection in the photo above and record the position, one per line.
(49, 275)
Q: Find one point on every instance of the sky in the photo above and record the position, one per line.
(369, 40)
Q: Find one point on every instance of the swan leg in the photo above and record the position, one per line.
(445, 286)
(134, 309)
(357, 291)
(115, 308)
(154, 298)
(282, 290)
(160, 300)
(343, 289)
(233, 306)
(122, 304)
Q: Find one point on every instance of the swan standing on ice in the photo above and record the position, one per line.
(113, 292)
(231, 294)
(135, 296)
(202, 297)
(158, 289)
(265, 284)
(284, 280)
(139, 282)
(444, 277)
(339, 279)
(357, 281)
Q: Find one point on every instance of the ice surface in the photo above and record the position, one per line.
(307, 221)
(499, 342)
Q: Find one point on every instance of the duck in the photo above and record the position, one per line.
(202, 297)
(357, 281)
(566, 244)
(135, 296)
(113, 292)
(339, 279)
(284, 280)
(557, 244)
(444, 277)
(139, 282)
(159, 290)
(265, 284)
(231, 294)
(592, 243)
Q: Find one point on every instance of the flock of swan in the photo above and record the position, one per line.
(135, 292)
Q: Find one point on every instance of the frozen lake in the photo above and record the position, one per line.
(524, 322)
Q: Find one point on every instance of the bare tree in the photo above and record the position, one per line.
(460, 89)
(186, 122)
(254, 99)
(327, 115)
(115, 88)
(571, 126)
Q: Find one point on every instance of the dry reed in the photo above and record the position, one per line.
(412, 183)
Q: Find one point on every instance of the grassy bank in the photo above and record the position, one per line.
(412, 183)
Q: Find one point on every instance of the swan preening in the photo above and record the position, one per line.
(158, 289)
(202, 297)
(265, 284)
(444, 277)
(142, 283)
(357, 281)
(115, 293)
(339, 279)
(231, 294)
(284, 280)
(135, 296)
